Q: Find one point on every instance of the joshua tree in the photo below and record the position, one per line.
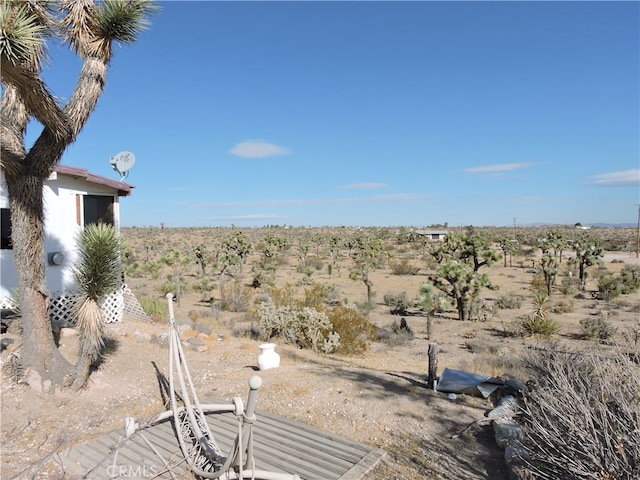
(90, 29)
(178, 259)
(97, 273)
(429, 304)
(588, 253)
(366, 257)
(509, 246)
(459, 258)
(549, 265)
(234, 250)
(549, 262)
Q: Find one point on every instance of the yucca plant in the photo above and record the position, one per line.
(97, 273)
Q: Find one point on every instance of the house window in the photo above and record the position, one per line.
(5, 226)
(98, 209)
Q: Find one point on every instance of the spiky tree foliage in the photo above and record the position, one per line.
(97, 273)
(549, 266)
(459, 258)
(177, 258)
(366, 258)
(90, 28)
(588, 252)
(233, 252)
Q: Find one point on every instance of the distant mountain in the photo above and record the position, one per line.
(613, 225)
(595, 225)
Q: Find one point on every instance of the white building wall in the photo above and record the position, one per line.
(61, 230)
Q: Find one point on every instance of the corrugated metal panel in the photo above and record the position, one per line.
(280, 445)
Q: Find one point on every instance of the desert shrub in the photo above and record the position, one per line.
(630, 278)
(398, 303)
(355, 331)
(154, 307)
(482, 310)
(315, 263)
(204, 286)
(312, 327)
(401, 328)
(509, 302)
(319, 295)
(582, 417)
(200, 314)
(132, 269)
(153, 269)
(285, 296)
(307, 327)
(237, 298)
(276, 321)
(331, 343)
(175, 284)
(562, 306)
(262, 277)
(597, 327)
(403, 267)
(308, 276)
(569, 286)
(539, 326)
(632, 337)
(247, 328)
(365, 308)
(609, 287)
(392, 339)
(538, 284)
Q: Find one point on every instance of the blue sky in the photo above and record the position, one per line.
(372, 114)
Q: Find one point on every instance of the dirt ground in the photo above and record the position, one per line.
(379, 398)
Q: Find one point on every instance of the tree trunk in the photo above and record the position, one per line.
(39, 351)
(460, 308)
(369, 285)
(222, 281)
(463, 309)
(433, 364)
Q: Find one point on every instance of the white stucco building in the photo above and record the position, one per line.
(73, 198)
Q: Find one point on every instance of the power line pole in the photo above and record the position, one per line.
(638, 233)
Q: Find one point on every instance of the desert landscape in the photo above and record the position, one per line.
(377, 394)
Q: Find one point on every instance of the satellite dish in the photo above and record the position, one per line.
(122, 162)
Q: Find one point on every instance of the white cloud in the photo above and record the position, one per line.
(258, 149)
(624, 178)
(500, 167)
(363, 186)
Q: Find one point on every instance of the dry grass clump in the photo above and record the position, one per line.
(582, 418)
(403, 267)
(236, 297)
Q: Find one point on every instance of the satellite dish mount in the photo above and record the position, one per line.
(122, 162)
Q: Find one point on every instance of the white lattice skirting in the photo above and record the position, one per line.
(114, 306)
